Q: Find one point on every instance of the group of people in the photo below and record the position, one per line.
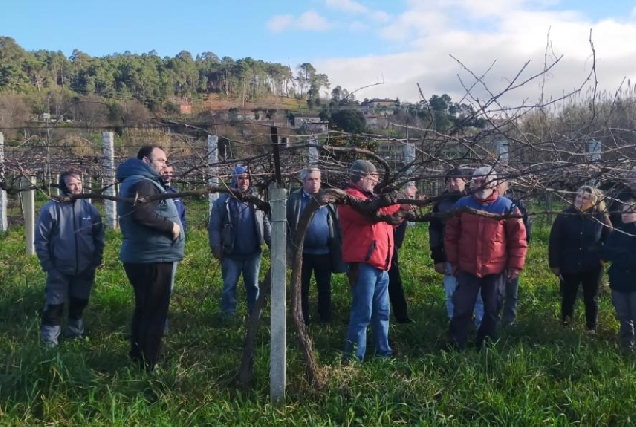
(478, 241)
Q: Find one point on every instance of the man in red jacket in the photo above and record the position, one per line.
(482, 252)
(367, 248)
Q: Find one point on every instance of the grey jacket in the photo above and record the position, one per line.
(294, 203)
(222, 227)
(69, 237)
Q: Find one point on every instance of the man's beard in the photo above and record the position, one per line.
(483, 193)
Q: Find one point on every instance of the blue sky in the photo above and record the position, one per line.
(393, 41)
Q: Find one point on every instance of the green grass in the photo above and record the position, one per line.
(536, 374)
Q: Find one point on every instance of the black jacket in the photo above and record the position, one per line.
(576, 240)
(437, 225)
(620, 250)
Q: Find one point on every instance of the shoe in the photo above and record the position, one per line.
(591, 331)
(404, 320)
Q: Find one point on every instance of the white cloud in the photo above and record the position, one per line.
(308, 21)
(358, 26)
(312, 21)
(507, 33)
(279, 23)
(379, 16)
(346, 6)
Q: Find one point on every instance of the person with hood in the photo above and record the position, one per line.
(322, 254)
(153, 240)
(455, 181)
(237, 231)
(575, 250)
(367, 248)
(167, 174)
(482, 251)
(69, 242)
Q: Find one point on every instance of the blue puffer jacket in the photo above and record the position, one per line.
(144, 244)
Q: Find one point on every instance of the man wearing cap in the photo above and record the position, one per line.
(367, 248)
(482, 251)
(627, 192)
(237, 231)
(455, 189)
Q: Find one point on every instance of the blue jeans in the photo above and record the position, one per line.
(450, 284)
(231, 269)
(369, 305)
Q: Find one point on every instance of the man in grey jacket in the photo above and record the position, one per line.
(153, 241)
(237, 232)
(69, 242)
(322, 252)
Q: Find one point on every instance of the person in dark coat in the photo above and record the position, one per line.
(575, 249)
(620, 250)
(627, 192)
(167, 175)
(511, 287)
(396, 288)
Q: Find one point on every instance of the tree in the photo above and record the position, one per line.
(349, 120)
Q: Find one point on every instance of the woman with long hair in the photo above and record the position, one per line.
(575, 250)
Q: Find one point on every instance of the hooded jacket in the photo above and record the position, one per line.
(69, 236)
(223, 230)
(146, 227)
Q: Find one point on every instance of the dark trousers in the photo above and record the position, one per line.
(396, 290)
(591, 282)
(151, 283)
(464, 298)
(320, 266)
(511, 293)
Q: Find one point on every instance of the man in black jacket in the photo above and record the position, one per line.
(396, 289)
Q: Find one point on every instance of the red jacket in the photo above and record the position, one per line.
(363, 240)
(483, 246)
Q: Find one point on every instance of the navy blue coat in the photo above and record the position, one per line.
(620, 250)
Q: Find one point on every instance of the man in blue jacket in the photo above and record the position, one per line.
(322, 245)
(236, 232)
(153, 241)
(69, 242)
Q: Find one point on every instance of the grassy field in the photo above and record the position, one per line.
(538, 373)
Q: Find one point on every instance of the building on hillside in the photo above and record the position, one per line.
(380, 102)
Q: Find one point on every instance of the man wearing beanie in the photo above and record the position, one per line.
(237, 231)
(367, 248)
(482, 251)
(455, 181)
